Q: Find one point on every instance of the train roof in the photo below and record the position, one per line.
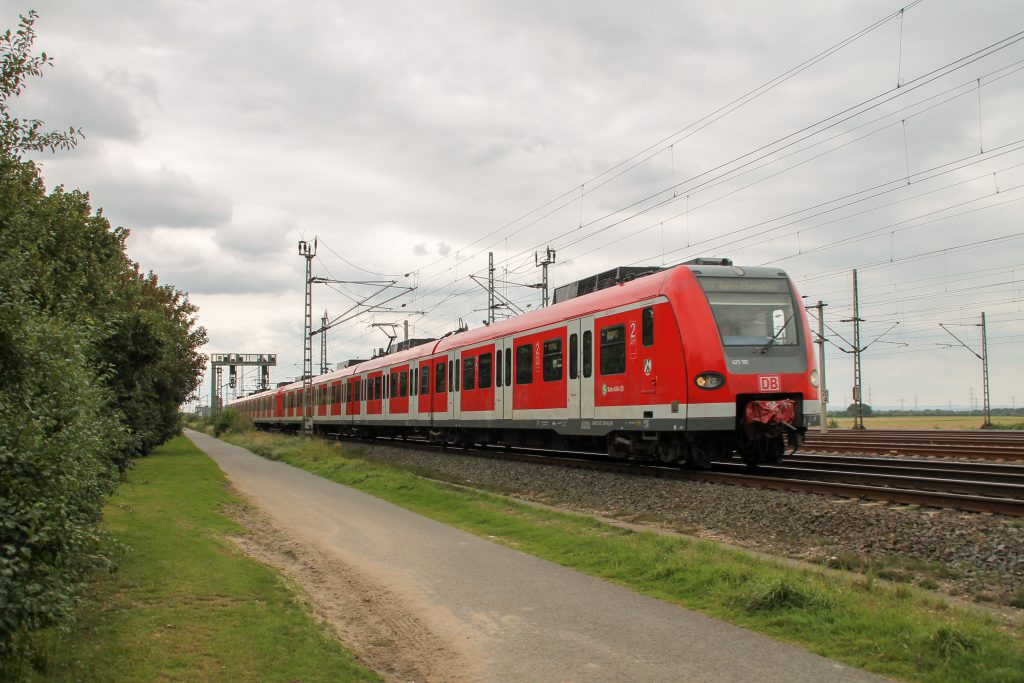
(640, 289)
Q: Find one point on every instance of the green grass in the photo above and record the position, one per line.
(897, 631)
(185, 604)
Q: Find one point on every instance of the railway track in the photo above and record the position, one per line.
(976, 487)
(988, 445)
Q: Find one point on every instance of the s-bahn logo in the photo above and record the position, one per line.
(769, 382)
(615, 388)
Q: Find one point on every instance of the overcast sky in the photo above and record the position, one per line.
(413, 138)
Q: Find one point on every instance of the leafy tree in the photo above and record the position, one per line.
(17, 63)
(95, 358)
(866, 410)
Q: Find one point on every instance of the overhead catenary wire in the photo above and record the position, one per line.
(455, 295)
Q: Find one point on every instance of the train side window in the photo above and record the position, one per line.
(456, 382)
(588, 353)
(378, 381)
(412, 381)
(613, 350)
(647, 327)
(440, 384)
(553, 361)
(453, 379)
(403, 384)
(574, 356)
(425, 380)
(497, 368)
(469, 373)
(508, 367)
(524, 364)
(485, 370)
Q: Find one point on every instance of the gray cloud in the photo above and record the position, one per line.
(255, 238)
(165, 198)
(108, 104)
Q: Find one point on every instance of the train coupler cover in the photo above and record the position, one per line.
(768, 414)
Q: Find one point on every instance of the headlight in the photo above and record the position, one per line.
(814, 378)
(709, 380)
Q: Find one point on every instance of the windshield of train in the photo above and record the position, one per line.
(752, 311)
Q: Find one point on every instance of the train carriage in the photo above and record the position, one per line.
(683, 365)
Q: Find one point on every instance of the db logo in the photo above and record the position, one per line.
(769, 382)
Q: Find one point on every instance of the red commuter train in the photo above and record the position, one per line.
(682, 365)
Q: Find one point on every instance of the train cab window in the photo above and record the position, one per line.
(508, 367)
(469, 373)
(553, 362)
(455, 380)
(613, 350)
(403, 384)
(524, 364)
(588, 353)
(574, 356)
(497, 369)
(485, 371)
(439, 380)
(425, 380)
(647, 327)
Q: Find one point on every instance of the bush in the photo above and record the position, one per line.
(57, 446)
(95, 358)
(232, 421)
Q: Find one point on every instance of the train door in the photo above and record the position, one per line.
(507, 375)
(574, 378)
(454, 386)
(498, 380)
(586, 367)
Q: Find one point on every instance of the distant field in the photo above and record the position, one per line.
(938, 422)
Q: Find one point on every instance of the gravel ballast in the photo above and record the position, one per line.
(979, 556)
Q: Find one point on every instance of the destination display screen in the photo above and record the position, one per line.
(744, 284)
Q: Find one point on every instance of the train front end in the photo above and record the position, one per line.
(753, 382)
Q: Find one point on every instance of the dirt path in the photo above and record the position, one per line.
(420, 600)
(371, 621)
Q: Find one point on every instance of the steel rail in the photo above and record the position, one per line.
(970, 471)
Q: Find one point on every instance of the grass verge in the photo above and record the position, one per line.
(185, 604)
(896, 631)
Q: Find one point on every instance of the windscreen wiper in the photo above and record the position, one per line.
(771, 341)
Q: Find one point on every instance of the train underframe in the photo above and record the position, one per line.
(763, 431)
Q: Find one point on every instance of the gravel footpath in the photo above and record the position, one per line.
(979, 556)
